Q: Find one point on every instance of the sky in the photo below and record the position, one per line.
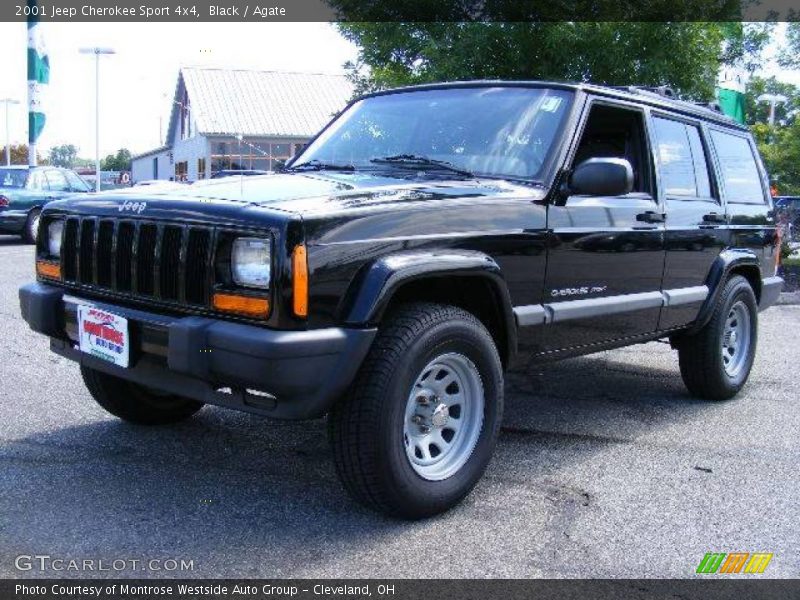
(137, 83)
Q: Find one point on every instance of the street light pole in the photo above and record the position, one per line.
(97, 52)
(7, 102)
(773, 100)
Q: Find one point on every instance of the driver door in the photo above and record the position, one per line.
(606, 258)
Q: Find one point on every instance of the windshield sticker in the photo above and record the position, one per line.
(551, 104)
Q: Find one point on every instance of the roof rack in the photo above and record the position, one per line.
(665, 91)
(711, 106)
(660, 90)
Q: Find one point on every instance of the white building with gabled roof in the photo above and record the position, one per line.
(240, 119)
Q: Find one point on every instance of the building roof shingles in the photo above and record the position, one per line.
(263, 103)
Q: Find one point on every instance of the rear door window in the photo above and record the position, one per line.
(681, 159)
(76, 184)
(57, 181)
(738, 168)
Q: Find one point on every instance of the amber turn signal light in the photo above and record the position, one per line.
(46, 269)
(300, 281)
(241, 305)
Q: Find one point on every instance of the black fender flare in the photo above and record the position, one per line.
(728, 260)
(373, 288)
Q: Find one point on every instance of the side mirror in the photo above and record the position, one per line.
(602, 177)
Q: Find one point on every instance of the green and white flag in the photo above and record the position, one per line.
(730, 92)
(38, 79)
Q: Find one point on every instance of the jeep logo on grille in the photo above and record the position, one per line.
(136, 207)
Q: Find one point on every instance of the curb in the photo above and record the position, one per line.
(789, 298)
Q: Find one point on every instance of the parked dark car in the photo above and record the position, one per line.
(25, 190)
(427, 239)
(232, 172)
(790, 203)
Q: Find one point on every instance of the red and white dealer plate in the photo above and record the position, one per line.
(104, 335)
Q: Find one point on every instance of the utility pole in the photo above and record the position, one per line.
(7, 102)
(97, 52)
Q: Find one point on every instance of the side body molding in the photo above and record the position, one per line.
(373, 288)
(557, 312)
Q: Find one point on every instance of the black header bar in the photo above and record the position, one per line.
(700, 588)
(399, 10)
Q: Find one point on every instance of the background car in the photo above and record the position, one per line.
(787, 209)
(25, 190)
(231, 172)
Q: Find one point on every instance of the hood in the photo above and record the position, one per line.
(241, 199)
(334, 192)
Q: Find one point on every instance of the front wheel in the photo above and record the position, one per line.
(419, 425)
(135, 403)
(716, 361)
(31, 229)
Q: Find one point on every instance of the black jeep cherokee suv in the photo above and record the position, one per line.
(424, 241)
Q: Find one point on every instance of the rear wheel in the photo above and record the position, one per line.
(716, 361)
(135, 403)
(31, 226)
(419, 425)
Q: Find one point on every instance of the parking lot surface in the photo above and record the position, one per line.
(605, 467)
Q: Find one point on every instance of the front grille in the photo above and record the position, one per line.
(139, 259)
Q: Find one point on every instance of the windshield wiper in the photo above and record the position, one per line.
(415, 160)
(318, 165)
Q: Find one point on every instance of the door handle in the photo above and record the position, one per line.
(714, 218)
(651, 217)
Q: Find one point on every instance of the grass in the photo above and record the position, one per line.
(791, 262)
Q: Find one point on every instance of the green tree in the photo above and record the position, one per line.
(780, 149)
(683, 55)
(64, 155)
(121, 161)
(790, 53)
(19, 155)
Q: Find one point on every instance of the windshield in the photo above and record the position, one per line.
(490, 131)
(13, 178)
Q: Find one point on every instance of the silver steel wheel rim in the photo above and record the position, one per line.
(736, 339)
(443, 417)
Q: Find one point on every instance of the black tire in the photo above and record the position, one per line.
(31, 226)
(134, 403)
(366, 427)
(700, 355)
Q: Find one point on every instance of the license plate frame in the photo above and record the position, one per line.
(104, 335)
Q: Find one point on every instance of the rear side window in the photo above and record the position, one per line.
(681, 159)
(56, 181)
(76, 184)
(738, 167)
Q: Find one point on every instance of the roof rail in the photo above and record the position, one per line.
(667, 92)
(660, 90)
(710, 106)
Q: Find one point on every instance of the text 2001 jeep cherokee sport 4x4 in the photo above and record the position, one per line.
(426, 239)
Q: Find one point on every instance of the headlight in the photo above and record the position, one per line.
(250, 262)
(54, 238)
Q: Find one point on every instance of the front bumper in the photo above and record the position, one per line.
(281, 374)
(770, 292)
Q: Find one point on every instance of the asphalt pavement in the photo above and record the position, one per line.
(605, 468)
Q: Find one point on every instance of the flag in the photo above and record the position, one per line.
(730, 92)
(38, 79)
